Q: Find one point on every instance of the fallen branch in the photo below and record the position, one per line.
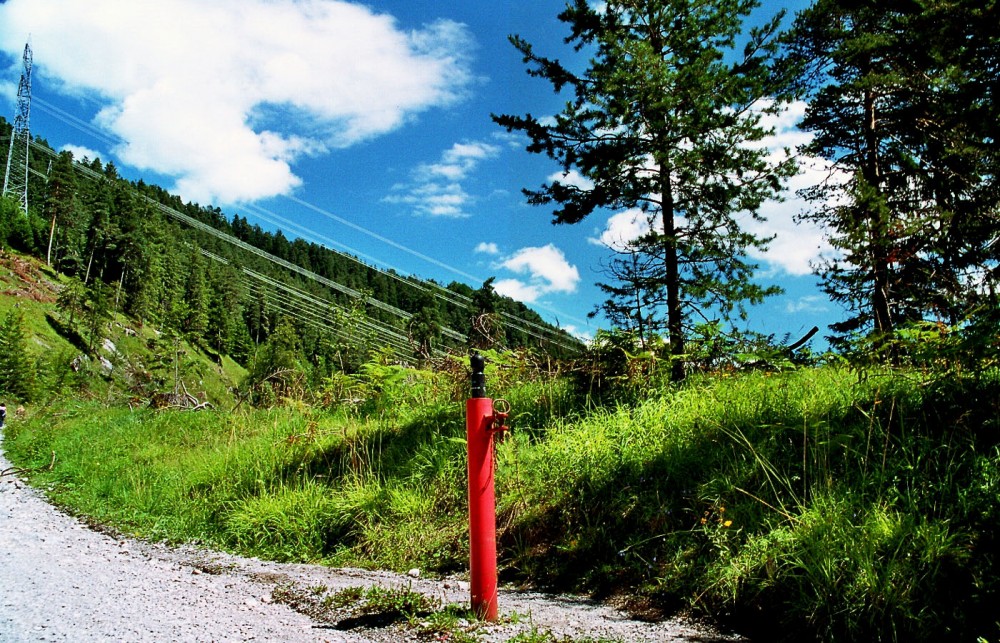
(16, 471)
(204, 405)
(190, 398)
(182, 401)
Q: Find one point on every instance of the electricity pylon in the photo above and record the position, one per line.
(15, 179)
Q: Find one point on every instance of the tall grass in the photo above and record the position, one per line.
(842, 508)
(834, 506)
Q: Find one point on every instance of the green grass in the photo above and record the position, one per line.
(831, 505)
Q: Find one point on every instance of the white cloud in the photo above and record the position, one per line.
(546, 269)
(547, 263)
(225, 95)
(582, 335)
(622, 229)
(573, 179)
(513, 140)
(796, 245)
(457, 162)
(8, 90)
(517, 290)
(488, 248)
(809, 303)
(79, 152)
(436, 188)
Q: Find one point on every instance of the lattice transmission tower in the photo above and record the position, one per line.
(15, 179)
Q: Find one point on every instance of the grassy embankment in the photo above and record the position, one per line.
(816, 501)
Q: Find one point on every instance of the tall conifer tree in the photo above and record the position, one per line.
(667, 119)
(17, 369)
(65, 214)
(902, 101)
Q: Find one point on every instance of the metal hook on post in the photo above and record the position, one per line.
(501, 411)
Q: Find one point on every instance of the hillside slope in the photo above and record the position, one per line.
(133, 362)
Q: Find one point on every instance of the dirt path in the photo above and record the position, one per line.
(62, 581)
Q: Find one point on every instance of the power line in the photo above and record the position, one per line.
(78, 123)
(439, 291)
(399, 246)
(375, 235)
(449, 296)
(204, 227)
(463, 301)
(312, 311)
(315, 306)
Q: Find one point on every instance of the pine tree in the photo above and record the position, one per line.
(196, 297)
(17, 368)
(72, 299)
(486, 329)
(634, 295)
(102, 236)
(425, 326)
(67, 217)
(225, 311)
(912, 128)
(667, 119)
(276, 369)
(98, 312)
(143, 269)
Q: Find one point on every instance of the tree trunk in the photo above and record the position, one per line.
(878, 239)
(52, 234)
(675, 316)
(640, 322)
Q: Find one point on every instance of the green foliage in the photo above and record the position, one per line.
(400, 602)
(275, 372)
(68, 219)
(194, 318)
(72, 299)
(121, 245)
(98, 313)
(617, 365)
(624, 366)
(424, 616)
(18, 374)
(287, 524)
(853, 570)
(967, 350)
(388, 387)
(486, 324)
(15, 226)
(425, 326)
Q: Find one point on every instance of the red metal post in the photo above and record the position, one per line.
(482, 498)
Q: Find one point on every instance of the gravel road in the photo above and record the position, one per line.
(60, 580)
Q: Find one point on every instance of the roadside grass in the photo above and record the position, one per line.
(821, 502)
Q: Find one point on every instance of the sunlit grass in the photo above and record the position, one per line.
(841, 506)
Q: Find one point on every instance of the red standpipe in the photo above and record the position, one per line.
(482, 499)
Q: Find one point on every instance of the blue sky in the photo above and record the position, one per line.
(364, 127)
